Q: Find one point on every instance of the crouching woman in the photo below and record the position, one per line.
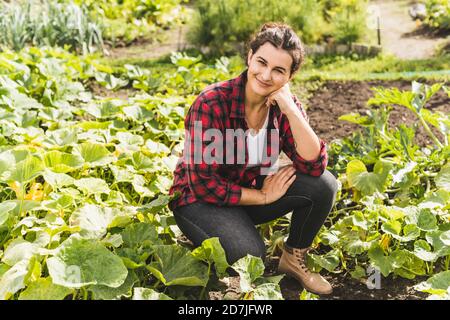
(228, 189)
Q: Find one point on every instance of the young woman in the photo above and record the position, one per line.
(230, 184)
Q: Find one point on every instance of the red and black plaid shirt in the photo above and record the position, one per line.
(221, 106)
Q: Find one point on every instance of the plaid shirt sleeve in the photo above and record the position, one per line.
(315, 167)
(203, 178)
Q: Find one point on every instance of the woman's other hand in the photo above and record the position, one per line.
(276, 185)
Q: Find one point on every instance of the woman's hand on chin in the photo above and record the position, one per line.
(282, 97)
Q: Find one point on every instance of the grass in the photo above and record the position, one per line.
(382, 67)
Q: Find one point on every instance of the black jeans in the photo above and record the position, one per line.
(309, 198)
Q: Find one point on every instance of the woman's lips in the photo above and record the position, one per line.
(263, 84)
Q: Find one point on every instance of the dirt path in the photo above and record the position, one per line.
(398, 34)
(173, 39)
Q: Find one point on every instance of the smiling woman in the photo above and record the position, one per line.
(227, 199)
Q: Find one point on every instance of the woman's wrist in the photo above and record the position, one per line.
(265, 196)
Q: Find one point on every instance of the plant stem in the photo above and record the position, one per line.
(156, 284)
(430, 133)
(347, 208)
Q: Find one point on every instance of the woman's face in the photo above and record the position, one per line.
(268, 65)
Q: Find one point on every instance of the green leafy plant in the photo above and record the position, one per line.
(48, 23)
(438, 12)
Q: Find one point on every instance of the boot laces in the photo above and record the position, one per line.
(301, 261)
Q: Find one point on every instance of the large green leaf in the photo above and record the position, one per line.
(329, 261)
(94, 154)
(445, 238)
(24, 206)
(61, 162)
(384, 263)
(139, 234)
(122, 174)
(44, 289)
(249, 268)
(407, 265)
(176, 266)
(410, 232)
(57, 180)
(13, 279)
(92, 186)
(80, 262)
(393, 227)
(438, 199)
(437, 284)
(62, 137)
(18, 250)
(390, 96)
(267, 291)
(359, 220)
(109, 81)
(368, 182)
(138, 183)
(435, 239)
(426, 221)
(352, 244)
(156, 147)
(108, 293)
(143, 163)
(93, 220)
(129, 142)
(26, 170)
(212, 251)
(138, 113)
(104, 109)
(422, 250)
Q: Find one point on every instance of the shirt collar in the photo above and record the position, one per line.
(238, 95)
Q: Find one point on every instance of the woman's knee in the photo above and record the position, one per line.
(328, 184)
(324, 186)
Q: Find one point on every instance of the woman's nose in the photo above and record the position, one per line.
(266, 75)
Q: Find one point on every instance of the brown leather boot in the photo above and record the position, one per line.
(292, 262)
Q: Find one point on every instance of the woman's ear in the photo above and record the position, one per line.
(249, 57)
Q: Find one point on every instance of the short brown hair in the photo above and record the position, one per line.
(281, 36)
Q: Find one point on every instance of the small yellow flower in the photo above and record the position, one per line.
(385, 241)
(36, 193)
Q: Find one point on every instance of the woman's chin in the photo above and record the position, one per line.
(263, 92)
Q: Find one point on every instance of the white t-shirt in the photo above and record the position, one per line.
(255, 145)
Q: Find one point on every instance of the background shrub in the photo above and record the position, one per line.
(438, 14)
(225, 25)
